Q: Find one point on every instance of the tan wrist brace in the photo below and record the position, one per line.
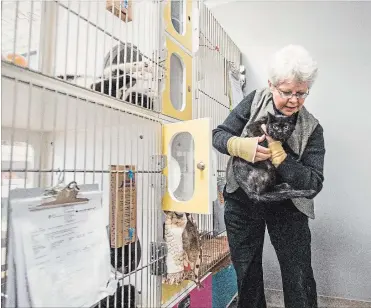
(243, 147)
(278, 153)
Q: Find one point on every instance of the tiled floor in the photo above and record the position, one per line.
(234, 305)
(275, 300)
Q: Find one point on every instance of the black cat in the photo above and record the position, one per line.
(258, 180)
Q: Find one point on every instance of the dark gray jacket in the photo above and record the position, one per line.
(305, 173)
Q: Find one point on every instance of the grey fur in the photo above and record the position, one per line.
(258, 180)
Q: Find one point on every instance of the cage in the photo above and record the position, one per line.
(87, 97)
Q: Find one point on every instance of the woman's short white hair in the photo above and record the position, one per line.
(292, 63)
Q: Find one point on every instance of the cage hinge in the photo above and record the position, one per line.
(163, 185)
(159, 161)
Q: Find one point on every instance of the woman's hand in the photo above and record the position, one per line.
(262, 153)
(248, 148)
(278, 153)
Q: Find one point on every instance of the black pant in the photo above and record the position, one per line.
(290, 236)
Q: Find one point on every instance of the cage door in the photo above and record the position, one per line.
(187, 147)
(177, 96)
(178, 21)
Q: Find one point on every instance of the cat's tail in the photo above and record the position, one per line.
(282, 195)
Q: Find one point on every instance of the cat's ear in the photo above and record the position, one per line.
(270, 117)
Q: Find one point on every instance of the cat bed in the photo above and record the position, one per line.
(126, 73)
(121, 297)
(140, 100)
(124, 53)
(130, 251)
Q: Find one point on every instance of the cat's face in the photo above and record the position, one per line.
(280, 128)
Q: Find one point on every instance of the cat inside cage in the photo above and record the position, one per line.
(126, 76)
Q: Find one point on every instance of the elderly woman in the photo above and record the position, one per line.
(298, 162)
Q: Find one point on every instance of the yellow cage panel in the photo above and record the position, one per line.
(180, 26)
(187, 146)
(177, 95)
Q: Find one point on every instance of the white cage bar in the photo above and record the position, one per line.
(54, 135)
(217, 54)
(85, 94)
(82, 42)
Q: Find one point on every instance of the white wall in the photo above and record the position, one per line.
(338, 35)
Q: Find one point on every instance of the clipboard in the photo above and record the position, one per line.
(66, 197)
(87, 227)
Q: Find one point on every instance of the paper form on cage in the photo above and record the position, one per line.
(236, 90)
(66, 252)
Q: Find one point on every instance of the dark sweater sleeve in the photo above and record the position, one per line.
(233, 124)
(308, 173)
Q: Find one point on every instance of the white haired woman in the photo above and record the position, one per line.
(299, 163)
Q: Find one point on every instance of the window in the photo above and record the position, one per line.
(177, 83)
(177, 15)
(181, 167)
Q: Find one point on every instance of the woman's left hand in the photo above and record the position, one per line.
(277, 151)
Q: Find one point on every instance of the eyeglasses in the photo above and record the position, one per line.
(288, 95)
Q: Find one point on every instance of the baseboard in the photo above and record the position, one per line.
(233, 298)
(275, 299)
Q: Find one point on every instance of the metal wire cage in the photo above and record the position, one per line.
(81, 101)
(216, 51)
(85, 43)
(53, 135)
